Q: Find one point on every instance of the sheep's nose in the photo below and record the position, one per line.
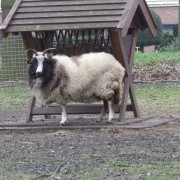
(38, 74)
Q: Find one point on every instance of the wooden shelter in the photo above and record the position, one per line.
(78, 26)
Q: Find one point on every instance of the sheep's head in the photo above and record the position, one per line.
(41, 63)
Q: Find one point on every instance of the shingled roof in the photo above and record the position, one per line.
(43, 15)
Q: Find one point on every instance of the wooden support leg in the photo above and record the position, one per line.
(124, 99)
(46, 116)
(134, 102)
(128, 90)
(123, 49)
(31, 106)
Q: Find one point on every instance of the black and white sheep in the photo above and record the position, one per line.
(87, 78)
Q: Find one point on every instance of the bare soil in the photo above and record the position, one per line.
(66, 152)
(168, 71)
(70, 153)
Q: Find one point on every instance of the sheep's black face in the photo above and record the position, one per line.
(41, 67)
(32, 68)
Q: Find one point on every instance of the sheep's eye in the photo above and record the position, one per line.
(29, 61)
(34, 61)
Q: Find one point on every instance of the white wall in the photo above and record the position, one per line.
(162, 2)
(0, 13)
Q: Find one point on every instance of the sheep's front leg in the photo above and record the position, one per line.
(64, 115)
(111, 111)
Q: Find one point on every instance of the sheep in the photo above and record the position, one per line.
(86, 78)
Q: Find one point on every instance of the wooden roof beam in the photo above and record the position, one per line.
(148, 17)
(127, 17)
(130, 12)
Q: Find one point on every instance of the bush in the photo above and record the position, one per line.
(0, 62)
(145, 38)
(6, 6)
(169, 43)
(175, 30)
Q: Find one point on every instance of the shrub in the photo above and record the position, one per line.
(6, 6)
(169, 43)
(145, 38)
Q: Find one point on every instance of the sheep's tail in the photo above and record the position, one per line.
(117, 97)
(118, 87)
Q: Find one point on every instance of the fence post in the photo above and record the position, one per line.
(179, 29)
(0, 51)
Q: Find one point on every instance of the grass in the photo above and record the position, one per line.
(131, 163)
(157, 58)
(136, 164)
(14, 97)
(158, 171)
(126, 171)
(154, 99)
(159, 99)
(6, 175)
(114, 168)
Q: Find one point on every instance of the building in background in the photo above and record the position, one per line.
(168, 10)
(0, 13)
(0, 36)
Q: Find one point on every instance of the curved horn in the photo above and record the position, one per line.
(35, 52)
(44, 52)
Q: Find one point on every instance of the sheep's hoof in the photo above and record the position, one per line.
(62, 123)
(98, 120)
(110, 122)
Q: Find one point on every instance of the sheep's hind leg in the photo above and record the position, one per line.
(64, 116)
(111, 111)
(103, 111)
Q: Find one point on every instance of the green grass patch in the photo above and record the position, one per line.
(159, 99)
(151, 98)
(149, 58)
(14, 98)
(157, 171)
(115, 169)
(135, 163)
(9, 175)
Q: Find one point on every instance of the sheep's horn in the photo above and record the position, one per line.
(49, 49)
(35, 52)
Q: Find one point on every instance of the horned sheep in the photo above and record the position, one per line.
(87, 78)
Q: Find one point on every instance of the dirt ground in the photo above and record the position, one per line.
(105, 153)
(168, 71)
(66, 152)
(96, 154)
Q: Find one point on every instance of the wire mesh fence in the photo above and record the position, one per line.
(13, 59)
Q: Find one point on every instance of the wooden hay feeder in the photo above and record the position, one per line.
(79, 26)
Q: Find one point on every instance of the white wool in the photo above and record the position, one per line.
(93, 72)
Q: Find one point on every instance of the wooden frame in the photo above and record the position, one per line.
(123, 50)
(122, 18)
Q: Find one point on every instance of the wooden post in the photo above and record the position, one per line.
(125, 57)
(28, 43)
(32, 103)
(179, 28)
